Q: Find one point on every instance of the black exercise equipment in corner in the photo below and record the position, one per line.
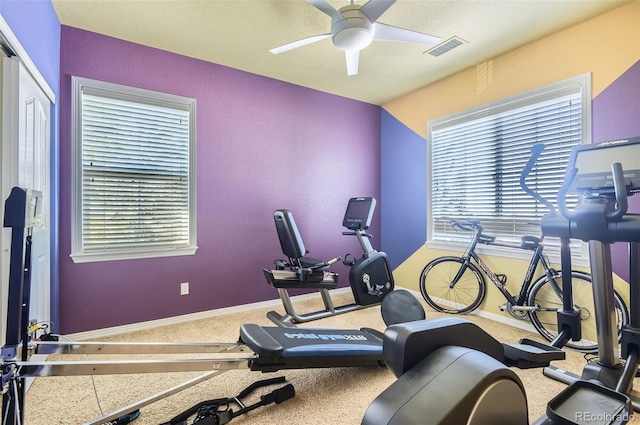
(450, 371)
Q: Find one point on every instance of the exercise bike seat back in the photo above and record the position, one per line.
(291, 241)
(298, 271)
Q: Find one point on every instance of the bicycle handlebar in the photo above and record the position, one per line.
(472, 225)
(467, 225)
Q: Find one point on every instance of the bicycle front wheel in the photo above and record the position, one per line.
(549, 299)
(446, 297)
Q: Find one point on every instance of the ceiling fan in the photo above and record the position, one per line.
(354, 27)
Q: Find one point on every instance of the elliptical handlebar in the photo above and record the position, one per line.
(618, 180)
(536, 150)
(615, 224)
(621, 193)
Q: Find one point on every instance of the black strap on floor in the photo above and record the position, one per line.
(125, 419)
(219, 412)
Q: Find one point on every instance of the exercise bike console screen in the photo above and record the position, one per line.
(593, 163)
(359, 213)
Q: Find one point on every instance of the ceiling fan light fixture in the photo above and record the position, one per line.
(354, 27)
(354, 31)
(352, 39)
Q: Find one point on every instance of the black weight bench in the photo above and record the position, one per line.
(278, 348)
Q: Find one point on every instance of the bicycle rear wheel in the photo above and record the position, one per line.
(437, 290)
(549, 300)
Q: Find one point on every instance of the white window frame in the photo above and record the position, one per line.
(115, 91)
(581, 83)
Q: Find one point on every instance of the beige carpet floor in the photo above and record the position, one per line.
(323, 396)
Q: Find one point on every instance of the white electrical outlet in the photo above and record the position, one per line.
(184, 288)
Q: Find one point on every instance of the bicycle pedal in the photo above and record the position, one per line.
(503, 307)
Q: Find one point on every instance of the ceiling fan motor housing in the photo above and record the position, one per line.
(354, 32)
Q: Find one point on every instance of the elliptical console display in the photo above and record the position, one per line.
(592, 165)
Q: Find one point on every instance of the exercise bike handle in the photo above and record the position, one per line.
(355, 234)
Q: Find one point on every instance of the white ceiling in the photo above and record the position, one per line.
(239, 34)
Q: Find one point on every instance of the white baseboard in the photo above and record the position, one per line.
(140, 326)
(519, 324)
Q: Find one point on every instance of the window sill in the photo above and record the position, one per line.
(131, 255)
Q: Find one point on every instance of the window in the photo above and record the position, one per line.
(134, 173)
(476, 157)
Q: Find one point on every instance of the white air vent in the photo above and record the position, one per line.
(445, 46)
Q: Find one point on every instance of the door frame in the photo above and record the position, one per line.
(11, 46)
(9, 41)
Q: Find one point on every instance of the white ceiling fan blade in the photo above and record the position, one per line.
(299, 43)
(375, 8)
(353, 57)
(326, 8)
(391, 33)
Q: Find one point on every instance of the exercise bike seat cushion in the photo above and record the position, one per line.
(313, 263)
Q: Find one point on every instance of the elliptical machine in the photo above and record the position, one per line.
(451, 372)
(600, 219)
(370, 276)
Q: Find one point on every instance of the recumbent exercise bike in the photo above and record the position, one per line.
(370, 276)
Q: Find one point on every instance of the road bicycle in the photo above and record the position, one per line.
(453, 284)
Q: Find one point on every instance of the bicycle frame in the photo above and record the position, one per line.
(537, 258)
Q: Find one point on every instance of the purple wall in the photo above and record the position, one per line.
(616, 115)
(616, 110)
(262, 144)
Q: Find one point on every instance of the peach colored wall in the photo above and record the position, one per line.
(606, 46)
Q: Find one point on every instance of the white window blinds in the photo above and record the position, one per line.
(134, 172)
(476, 159)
